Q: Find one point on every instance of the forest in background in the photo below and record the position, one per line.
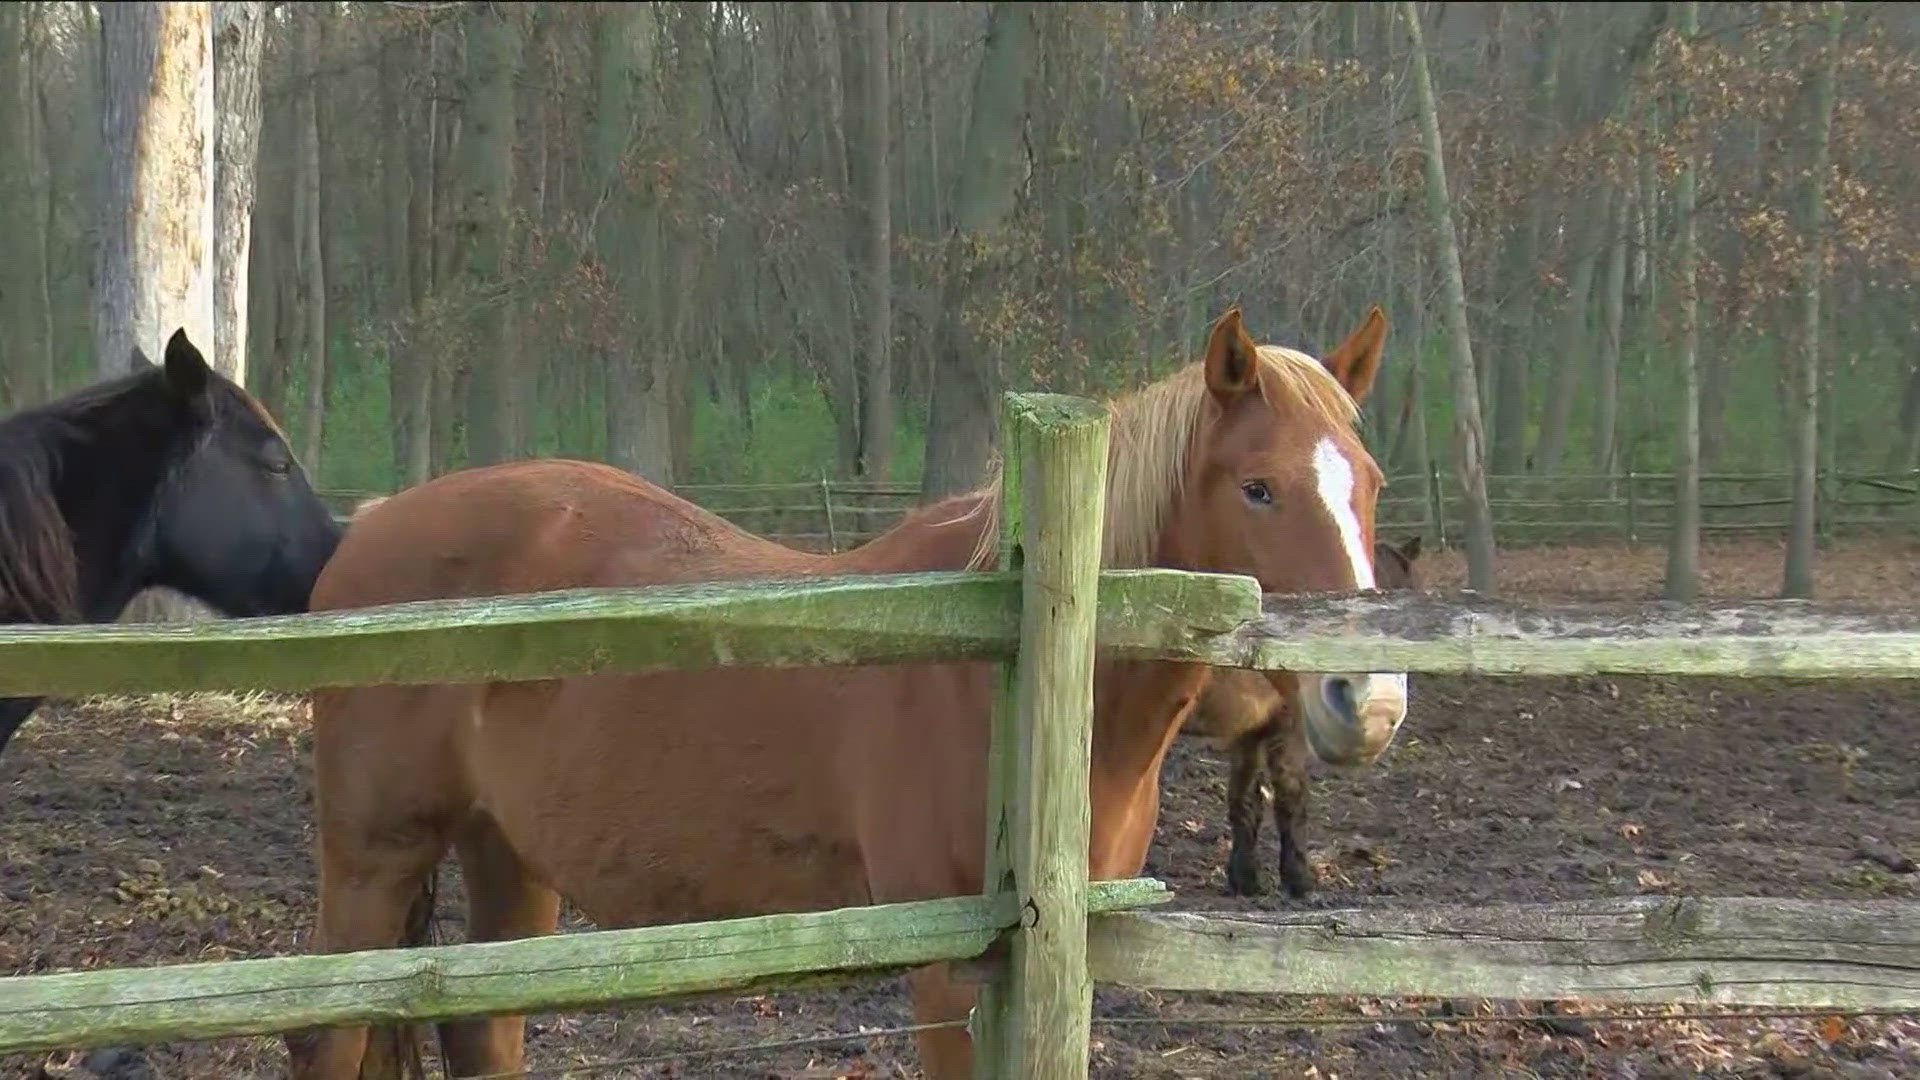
(724, 242)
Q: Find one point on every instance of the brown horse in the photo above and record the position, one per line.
(1265, 741)
(719, 793)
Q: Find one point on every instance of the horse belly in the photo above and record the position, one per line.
(669, 797)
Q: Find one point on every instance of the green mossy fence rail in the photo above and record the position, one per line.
(1043, 617)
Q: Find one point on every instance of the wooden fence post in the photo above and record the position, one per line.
(1033, 1019)
(1436, 506)
(1826, 505)
(826, 505)
(1633, 509)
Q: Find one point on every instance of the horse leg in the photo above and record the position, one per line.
(14, 712)
(371, 892)
(1246, 805)
(1286, 753)
(503, 902)
(945, 1053)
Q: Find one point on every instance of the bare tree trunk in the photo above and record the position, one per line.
(239, 29)
(1414, 431)
(628, 237)
(1637, 420)
(312, 266)
(493, 62)
(409, 373)
(876, 391)
(1469, 440)
(17, 353)
(1513, 392)
(1572, 360)
(43, 191)
(832, 287)
(275, 261)
(994, 167)
(1797, 580)
(1613, 301)
(154, 269)
(1683, 551)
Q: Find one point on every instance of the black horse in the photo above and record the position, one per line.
(171, 476)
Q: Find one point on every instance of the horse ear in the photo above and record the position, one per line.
(1357, 359)
(1233, 360)
(186, 370)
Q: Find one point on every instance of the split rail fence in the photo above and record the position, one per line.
(1041, 934)
(833, 515)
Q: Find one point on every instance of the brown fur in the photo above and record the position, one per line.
(1265, 742)
(698, 795)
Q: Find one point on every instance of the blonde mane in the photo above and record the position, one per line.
(1152, 435)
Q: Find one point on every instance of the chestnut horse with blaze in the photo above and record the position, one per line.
(693, 795)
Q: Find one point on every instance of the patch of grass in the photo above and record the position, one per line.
(251, 710)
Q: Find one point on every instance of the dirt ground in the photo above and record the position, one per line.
(176, 829)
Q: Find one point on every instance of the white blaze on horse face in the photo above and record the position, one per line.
(1333, 478)
(1351, 718)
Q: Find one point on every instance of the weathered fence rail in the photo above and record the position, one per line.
(249, 997)
(868, 620)
(1743, 951)
(1034, 1012)
(1429, 633)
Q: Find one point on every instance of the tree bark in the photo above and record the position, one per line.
(44, 192)
(832, 287)
(876, 390)
(1797, 579)
(993, 169)
(1571, 361)
(1683, 550)
(1512, 406)
(239, 29)
(493, 61)
(309, 242)
(1469, 440)
(1613, 301)
(154, 265)
(275, 263)
(19, 355)
(629, 243)
(409, 368)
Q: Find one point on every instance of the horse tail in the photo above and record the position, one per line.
(398, 1049)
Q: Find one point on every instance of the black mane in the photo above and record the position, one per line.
(88, 465)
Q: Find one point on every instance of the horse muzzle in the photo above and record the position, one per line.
(1351, 719)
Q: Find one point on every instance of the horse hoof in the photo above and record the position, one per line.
(1299, 880)
(1243, 879)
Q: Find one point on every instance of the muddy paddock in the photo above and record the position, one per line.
(149, 831)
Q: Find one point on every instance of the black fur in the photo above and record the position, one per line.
(170, 476)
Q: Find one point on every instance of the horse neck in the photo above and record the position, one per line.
(1138, 706)
(941, 536)
(106, 492)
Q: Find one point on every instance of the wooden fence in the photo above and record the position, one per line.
(1042, 932)
(1638, 506)
(833, 515)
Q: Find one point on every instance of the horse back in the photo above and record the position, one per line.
(536, 526)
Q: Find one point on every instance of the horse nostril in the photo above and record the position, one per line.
(1338, 692)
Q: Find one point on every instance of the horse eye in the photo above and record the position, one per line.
(1257, 492)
